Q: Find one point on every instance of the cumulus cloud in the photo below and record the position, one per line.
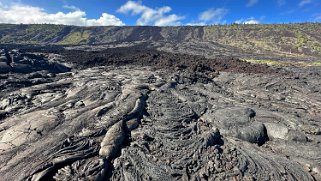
(247, 21)
(251, 3)
(150, 16)
(25, 14)
(304, 2)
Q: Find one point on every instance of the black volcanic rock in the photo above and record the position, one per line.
(27, 63)
(135, 113)
(4, 67)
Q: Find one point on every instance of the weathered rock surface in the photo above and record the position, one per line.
(4, 67)
(161, 122)
(17, 62)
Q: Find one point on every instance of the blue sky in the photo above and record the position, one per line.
(159, 12)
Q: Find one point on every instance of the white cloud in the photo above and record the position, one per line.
(25, 14)
(210, 16)
(304, 2)
(318, 17)
(213, 15)
(150, 16)
(251, 3)
(71, 7)
(281, 2)
(196, 24)
(247, 21)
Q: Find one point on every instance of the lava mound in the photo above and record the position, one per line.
(17, 62)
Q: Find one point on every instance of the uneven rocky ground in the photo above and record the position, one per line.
(134, 114)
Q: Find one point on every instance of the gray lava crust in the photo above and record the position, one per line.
(162, 121)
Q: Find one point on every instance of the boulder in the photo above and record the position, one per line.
(113, 140)
(21, 68)
(3, 114)
(279, 131)
(254, 133)
(3, 59)
(238, 122)
(276, 131)
(4, 68)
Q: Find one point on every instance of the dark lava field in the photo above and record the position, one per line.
(140, 113)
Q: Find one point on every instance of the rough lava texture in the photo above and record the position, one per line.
(153, 115)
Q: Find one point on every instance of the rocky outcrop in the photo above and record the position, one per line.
(17, 62)
(113, 140)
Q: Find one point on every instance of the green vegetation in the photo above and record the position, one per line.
(287, 39)
(300, 41)
(310, 64)
(29, 34)
(268, 62)
(76, 38)
(284, 63)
